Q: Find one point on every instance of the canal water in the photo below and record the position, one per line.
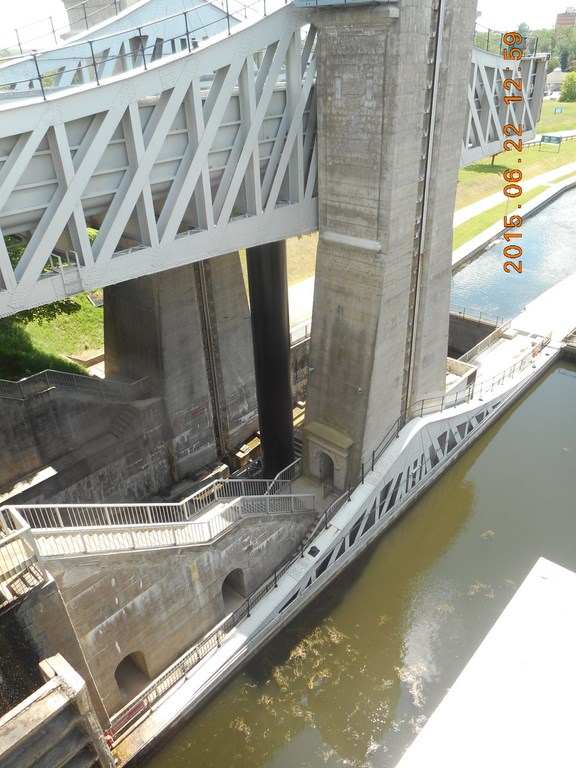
(352, 680)
(548, 256)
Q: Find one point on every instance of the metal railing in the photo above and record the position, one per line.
(57, 516)
(18, 548)
(63, 541)
(300, 332)
(484, 343)
(492, 40)
(40, 382)
(91, 61)
(471, 313)
(142, 703)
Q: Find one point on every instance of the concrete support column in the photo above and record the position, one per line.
(271, 338)
(391, 92)
(188, 331)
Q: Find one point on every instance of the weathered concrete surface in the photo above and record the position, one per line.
(161, 326)
(55, 726)
(375, 279)
(46, 624)
(158, 602)
(94, 450)
(465, 332)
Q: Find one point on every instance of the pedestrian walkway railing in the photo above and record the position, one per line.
(143, 703)
(97, 58)
(40, 382)
(56, 516)
(300, 332)
(18, 548)
(82, 540)
(492, 40)
(485, 343)
(471, 313)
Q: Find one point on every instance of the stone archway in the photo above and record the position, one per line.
(326, 469)
(233, 590)
(132, 675)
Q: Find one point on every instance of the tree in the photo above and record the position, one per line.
(47, 312)
(568, 89)
(553, 63)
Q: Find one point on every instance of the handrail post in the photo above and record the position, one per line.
(18, 39)
(187, 32)
(373, 461)
(142, 46)
(228, 17)
(362, 473)
(39, 76)
(85, 16)
(53, 30)
(94, 62)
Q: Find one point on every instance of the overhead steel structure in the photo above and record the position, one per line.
(177, 137)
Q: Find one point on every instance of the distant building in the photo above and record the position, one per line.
(566, 19)
(554, 81)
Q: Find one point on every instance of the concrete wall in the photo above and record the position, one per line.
(157, 603)
(93, 451)
(375, 279)
(164, 327)
(55, 726)
(465, 333)
(45, 621)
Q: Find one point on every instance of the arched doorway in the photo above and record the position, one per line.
(132, 675)
(233, 590)
(326, 470)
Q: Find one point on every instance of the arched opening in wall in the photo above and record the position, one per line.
(132, 675)
(233, 590)
(326, 470)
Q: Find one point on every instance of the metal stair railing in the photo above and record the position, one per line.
(40, 382)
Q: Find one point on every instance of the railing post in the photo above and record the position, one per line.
(275, 579)
(373, 461)
(142, 46)
(228, 16)
(18, 39)
(39, 76)
(362, 473)
(187, 32)
(53, 30)
(248, 605)
(85, 16)
(94, 62)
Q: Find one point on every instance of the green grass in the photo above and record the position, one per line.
(549, 122)
(21, 357)
(478, 224)
(482, 179)
(71, 334)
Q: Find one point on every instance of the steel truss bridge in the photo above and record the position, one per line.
(163, 137)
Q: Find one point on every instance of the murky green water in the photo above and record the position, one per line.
(351, 681)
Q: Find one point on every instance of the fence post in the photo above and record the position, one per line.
(39, 76)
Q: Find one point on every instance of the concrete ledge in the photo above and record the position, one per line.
(512, 704)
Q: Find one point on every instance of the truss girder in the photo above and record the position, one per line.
(193, 158)
(488, 113)
(200, 154)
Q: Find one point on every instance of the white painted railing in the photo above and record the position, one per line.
(61, 541)
(18, 549)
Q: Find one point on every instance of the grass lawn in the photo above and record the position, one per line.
(474, 226)
(565, 121)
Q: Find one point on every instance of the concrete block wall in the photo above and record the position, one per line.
(157, 603)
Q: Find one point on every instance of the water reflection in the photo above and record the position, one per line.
(548, 256)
